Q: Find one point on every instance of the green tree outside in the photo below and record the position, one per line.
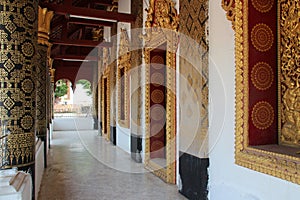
(61, 89)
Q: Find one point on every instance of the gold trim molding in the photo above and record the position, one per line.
(269, 162)
(124, 62)
(105, 93)
(162, 25)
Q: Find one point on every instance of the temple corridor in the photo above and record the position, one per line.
(83, 165)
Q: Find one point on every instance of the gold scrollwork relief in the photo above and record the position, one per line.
(229, 7)
(161, 14)
(289, 51)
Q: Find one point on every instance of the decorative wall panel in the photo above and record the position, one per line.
(157, 104)
(193, 94)
(194, 79)
(263, 60)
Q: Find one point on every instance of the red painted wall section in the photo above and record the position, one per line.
(262, 34)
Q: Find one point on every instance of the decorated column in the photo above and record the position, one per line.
(49, 91)
(51, 97)
(43, 52)
(18, 33)
(44, 46)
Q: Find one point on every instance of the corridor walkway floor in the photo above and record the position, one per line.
(83, 165)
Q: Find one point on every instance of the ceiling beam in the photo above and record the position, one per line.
(67, 64)
(89, 13)
(102, 2)
(81, 43)
(75, 58)
(89, 22)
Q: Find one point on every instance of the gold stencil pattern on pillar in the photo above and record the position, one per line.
(263, 6)
(18, 33)
(262, 76)
(157, 96)
(262, 37)
(262, 115)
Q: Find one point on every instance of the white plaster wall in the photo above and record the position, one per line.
(70, 124)
(106, 33)
(227, 180)
(123, 138)
(39, 166)
(124, 6)
(123, 134)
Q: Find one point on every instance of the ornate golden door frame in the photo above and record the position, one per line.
(251, 119)
(161, 29)
(157, 39)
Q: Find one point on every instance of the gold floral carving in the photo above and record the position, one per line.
(280, 165)
(161, 14)
(97, 33)
(44, 21)
(289, 62)
(262, 37)
(229, 7)
(124, 63)
(162, 24)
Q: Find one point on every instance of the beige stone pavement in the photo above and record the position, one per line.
(83, 165)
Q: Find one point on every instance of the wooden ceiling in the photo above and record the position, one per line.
(74, 29)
